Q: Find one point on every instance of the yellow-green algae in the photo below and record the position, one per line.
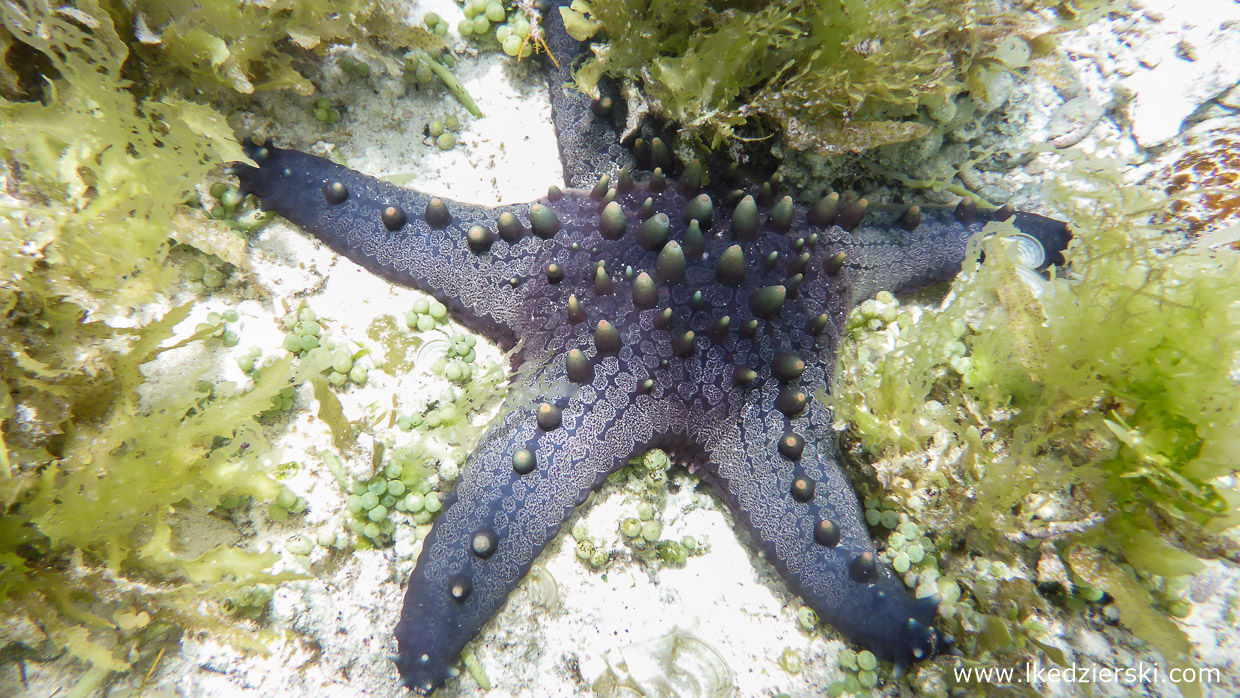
(95, 467)
(645, 479)
(247, 46)
(1091, 418)
(835, 77)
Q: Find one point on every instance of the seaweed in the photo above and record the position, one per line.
(98, 461)
(837, 76)
(247, 47)
(1095, 410)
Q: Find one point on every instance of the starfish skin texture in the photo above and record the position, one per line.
(660, 313)
(653, 315)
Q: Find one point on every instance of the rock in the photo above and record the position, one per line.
(1202, 170)
(1073, 121)
(1231, 99)
(999, 86)
(1013, 51)
(1177, 77)
(1051, 569)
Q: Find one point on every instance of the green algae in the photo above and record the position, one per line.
(450, 81)
(102, 460)
(1095, 411)
(101, 228)
(834, 77)
(248, 47)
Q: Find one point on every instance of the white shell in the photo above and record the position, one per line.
(433, 349)
(1033, 280)
(1029, 252)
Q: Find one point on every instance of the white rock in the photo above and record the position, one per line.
(1197, 67)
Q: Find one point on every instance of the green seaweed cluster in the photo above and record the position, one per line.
(402, 486)
(248, 46)
(834, 77)
(860, 675)
(441, 430)
(1086, 423)
(105, 455)
(645, 479)
(514, 31)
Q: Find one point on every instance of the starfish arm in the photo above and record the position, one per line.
(557, 442)
(405, 236)
(895, 252)
(782, 479)
(589, 142)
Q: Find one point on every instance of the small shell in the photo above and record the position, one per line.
(1029, 252)
(543, 588)
(434, 347)
(1032, 279)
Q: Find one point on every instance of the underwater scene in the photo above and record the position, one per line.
(665, 348)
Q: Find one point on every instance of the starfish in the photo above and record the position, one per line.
(652, 313)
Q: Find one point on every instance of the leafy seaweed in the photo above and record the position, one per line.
(248, 47)
(834, 76)
(1096, 409)
(96, 458)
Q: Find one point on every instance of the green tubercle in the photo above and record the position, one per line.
(653, 233)
(682, 344)
(657, 182)
(646, 210)
(823, 213)
(480, 239)
(731, 268)
(607, 338)
(695, 242)
(510, 228)
(700, 208)
(549, 417)
(624, 181)
(745, 220)
(799, 264)
(781, 215)
(834, 264)
(670, 264)
(576, 313)
(852, 215)
(578, 367)
(690, 182)
(612, 222)
(602, 282)
(437, 214)
(523, 462)
(817, 324)
(600, 188)
(645, 293)
(659, 152)
(767, 301)
(543, 221)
